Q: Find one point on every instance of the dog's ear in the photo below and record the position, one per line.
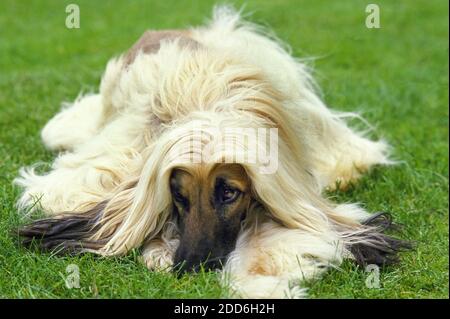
(150, 42)
(65, 233)
(377, 247)
(108, 228)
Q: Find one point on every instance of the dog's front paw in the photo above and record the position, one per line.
(158, 256)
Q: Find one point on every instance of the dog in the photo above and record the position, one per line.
(132, 171)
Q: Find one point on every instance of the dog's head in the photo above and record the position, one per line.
(210, 203)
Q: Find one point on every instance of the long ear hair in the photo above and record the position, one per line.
(292, 197)
(137, 209)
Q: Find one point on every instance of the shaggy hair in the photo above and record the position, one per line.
(108, 192)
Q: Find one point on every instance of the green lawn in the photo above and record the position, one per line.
(397, 76)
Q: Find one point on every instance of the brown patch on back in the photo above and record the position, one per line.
(150, 42)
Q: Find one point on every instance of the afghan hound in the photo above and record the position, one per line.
(208, 148)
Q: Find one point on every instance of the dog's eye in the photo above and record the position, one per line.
(229, 195)
(179, 198)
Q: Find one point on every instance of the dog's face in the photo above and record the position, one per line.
(210, 205)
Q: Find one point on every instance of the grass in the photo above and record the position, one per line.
(397, 76)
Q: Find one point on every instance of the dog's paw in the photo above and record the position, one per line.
(296, 292)
(266, 287)
(157, 256)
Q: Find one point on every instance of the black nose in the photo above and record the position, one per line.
(185, 262)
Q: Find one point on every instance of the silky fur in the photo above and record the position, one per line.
(117, 162)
